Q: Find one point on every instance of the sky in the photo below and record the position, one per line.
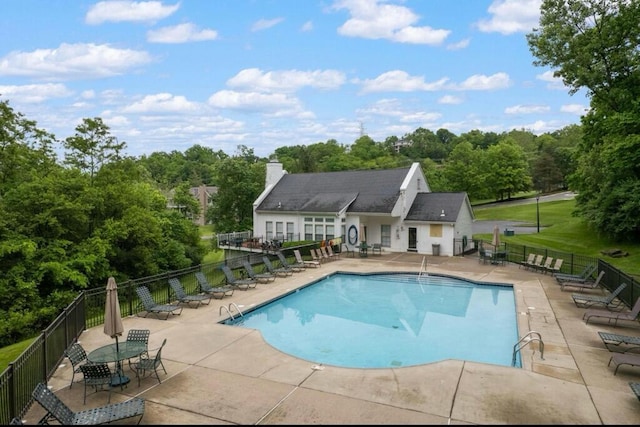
(167, 75)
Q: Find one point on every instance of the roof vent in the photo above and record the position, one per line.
(442, 214)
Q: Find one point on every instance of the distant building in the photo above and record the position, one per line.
(203, 194)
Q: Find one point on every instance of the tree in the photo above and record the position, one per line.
(594, 45)
(508, 170)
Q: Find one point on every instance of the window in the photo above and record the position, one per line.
(279, 231)
(289, 231)
(385, 235)
(329, 232)
(319, 232)
(268, 230)
(435, 230)
(308, 232)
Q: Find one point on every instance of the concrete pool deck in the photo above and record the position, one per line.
(221, 374)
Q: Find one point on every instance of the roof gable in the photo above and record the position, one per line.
(431, 206)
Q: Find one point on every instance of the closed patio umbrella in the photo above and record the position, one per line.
(363, 236)
(112, 318)
(496, 237)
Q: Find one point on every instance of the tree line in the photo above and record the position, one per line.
(68, 224)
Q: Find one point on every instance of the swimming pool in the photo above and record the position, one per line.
(390, 320)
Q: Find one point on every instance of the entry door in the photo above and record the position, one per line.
(413, 240)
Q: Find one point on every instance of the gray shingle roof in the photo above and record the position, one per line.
(374, 191)
(429, 207)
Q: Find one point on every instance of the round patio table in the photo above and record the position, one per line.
(117, 353)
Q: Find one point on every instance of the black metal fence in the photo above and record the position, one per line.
(39, 361)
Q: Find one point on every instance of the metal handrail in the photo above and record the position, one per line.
(520, 345)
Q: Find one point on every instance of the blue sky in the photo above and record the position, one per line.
(166, 75)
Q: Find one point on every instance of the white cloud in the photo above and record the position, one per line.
(511, 16)
(371, 19)
(307, 26)
(578, 109)
(73, 61)
(553, 82)
(181, 33)
(527, 109)
(162, 103)
(285, 81)
(483, 82)
(252, 101)
(35, 93)
(450, 99)
(120, 11)
(264, 24)
(459, 45)
(400, 81)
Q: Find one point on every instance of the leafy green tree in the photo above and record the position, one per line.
(507, 169)
(593, 45)
(464, 171)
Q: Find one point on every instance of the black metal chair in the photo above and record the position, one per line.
(147, 364)
(97, 376)
(78, 357)
(139, 335)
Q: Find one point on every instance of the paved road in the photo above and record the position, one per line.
(487, 226)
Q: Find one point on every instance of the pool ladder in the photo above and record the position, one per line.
(524, 341)
(423, 268)
(228, 310)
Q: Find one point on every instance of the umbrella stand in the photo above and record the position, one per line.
(120, 378)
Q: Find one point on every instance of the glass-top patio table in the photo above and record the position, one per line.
(117, 353)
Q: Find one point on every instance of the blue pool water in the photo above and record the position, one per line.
(390, 320)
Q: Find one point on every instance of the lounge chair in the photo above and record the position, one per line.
(546, 265)
(280, 271)
(613, 315)
(332, 254)
(319, 255)
(58, 410)
(297, 267)
(323, 251)
(635, 388)
(307, 263)
(556, 267)
(583, 276)
(152, 307)
(619, 359)
(587, 284)
(537, 264)
(185, 298)
(529, 261)
(607, 301)
(218, 292)
(243, 284)
(619, 343)
(258, 277)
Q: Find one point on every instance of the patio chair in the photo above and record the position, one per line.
(587, 284)
(613, 315)
(529, 261)
(185, 298)
(377, 247)
(97, 376)
(280, 271)
(556, 267)
(583, 276)
(58, 410)
(218, 292)
(296, 268)
(138, 335)
(78, 357)
(258, 277)
(315, 263)
(484, 255)
(243, 284)
(537, 264)
(148, 364)
(619, 343)
(152, 307)
(619, 359)
(607, 301)
(319, 255)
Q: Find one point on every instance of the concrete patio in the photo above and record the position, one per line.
(228, 375)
